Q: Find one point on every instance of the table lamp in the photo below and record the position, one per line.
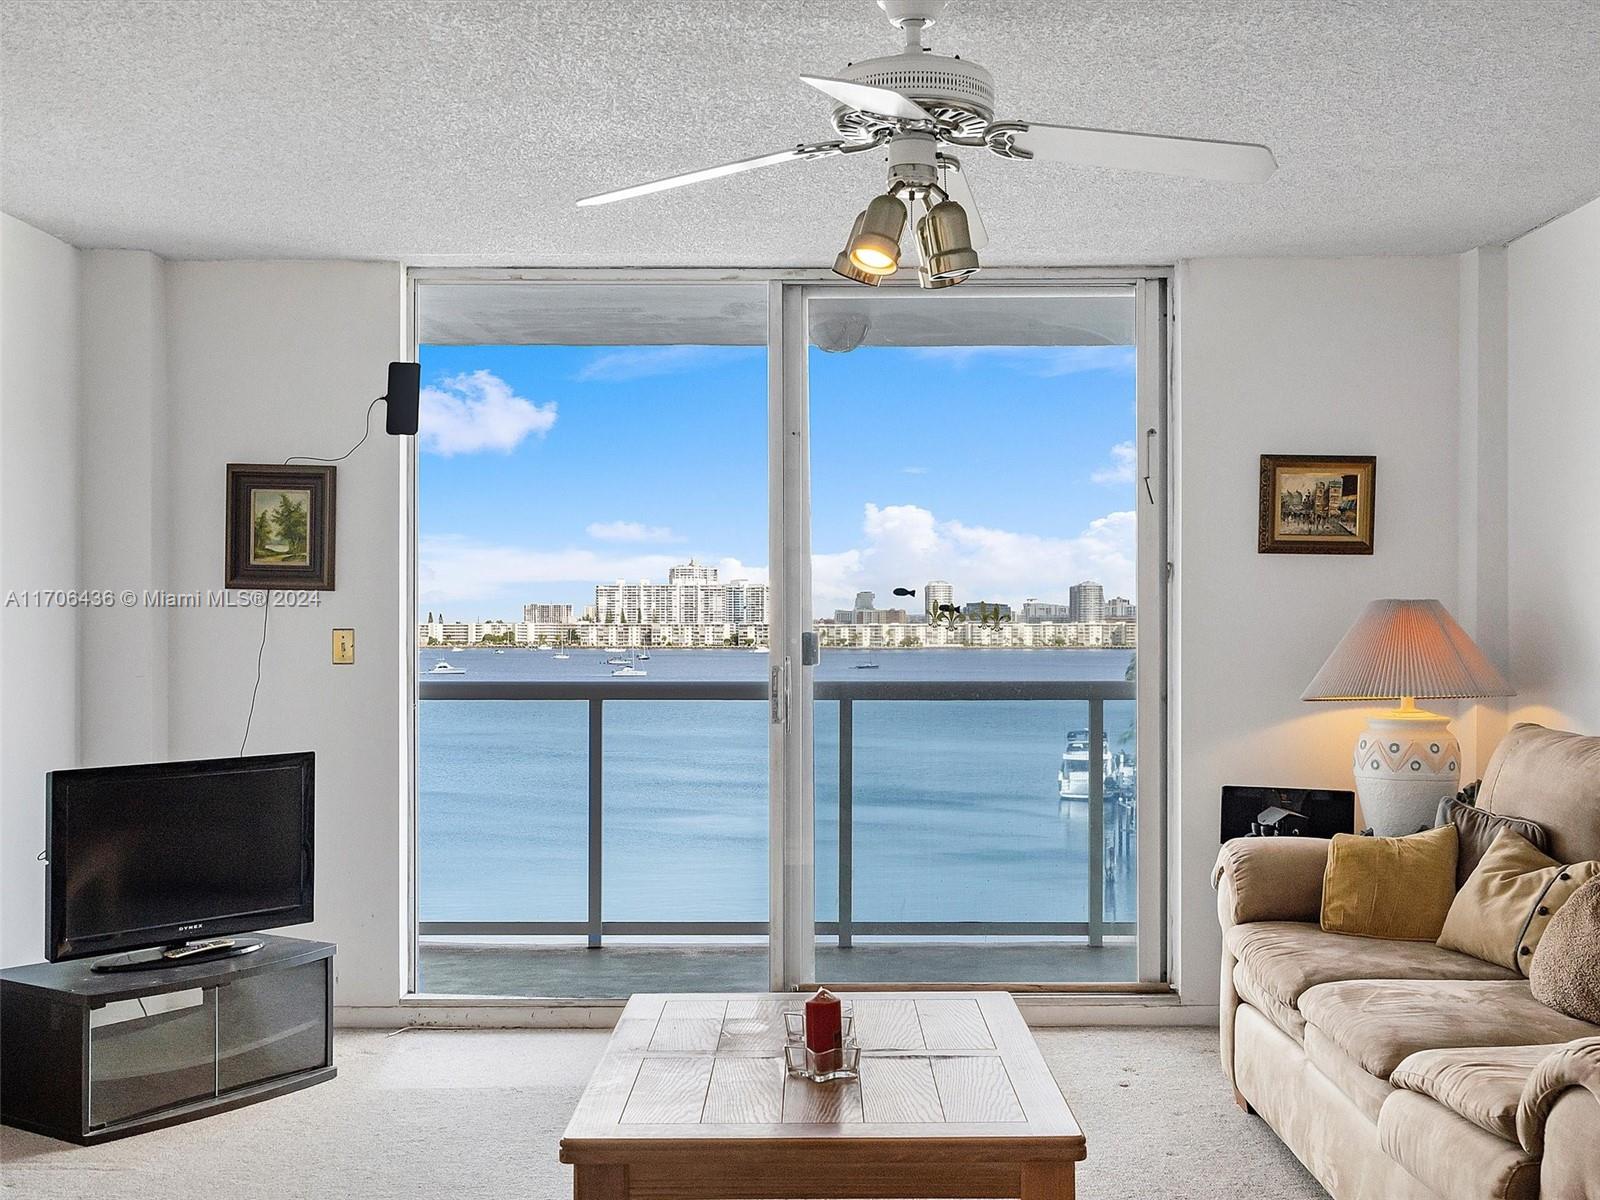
(1406, 760)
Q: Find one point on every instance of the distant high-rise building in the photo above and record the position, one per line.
(1086, 602)
(866, 600)
(547, 614)
(691, 572)
(691, 596)
(1036, 612)
(986, 610)
(934, 593)
(1120, 608)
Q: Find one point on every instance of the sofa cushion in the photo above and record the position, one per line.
(1283, 959)
(1366, 1092)
(1452, 1156)
(1553, 778)
(1284, 1016)
(1481, 1084)
(1380, 1022)
(1390, 887)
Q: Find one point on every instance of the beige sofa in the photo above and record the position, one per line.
(1399, 1070)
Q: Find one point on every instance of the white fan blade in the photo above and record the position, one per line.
(1234, 162)
(959, 190)
(795, 154)
(866, 98)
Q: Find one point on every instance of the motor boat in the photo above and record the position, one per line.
(443, 668)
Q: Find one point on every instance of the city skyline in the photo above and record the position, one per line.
(746, 603)
(545, 469)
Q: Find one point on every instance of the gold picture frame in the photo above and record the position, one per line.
(1317, 504)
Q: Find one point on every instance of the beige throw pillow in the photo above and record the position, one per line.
(1566, 967)
(1389, 887)
(1502, 910)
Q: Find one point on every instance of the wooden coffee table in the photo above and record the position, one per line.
(691, 1100)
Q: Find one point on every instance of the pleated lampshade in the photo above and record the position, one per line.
(1402, 648)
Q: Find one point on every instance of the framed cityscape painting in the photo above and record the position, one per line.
(1311, 504)
(280, 527)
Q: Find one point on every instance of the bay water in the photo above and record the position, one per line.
(956, 809)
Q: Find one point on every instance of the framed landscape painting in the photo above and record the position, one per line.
(1312, 504)
(280, 527)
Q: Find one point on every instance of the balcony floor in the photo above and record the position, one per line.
(615, 970)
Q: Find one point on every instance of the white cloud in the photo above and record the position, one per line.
(1121, 467)
(640, 362)
(1044, 362)
(905, 545)
(630, 531)
(913, 470)
(477, 411)
(453, 570)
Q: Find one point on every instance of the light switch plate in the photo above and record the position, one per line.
(344, 646)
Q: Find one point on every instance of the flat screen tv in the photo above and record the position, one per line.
(170, 853)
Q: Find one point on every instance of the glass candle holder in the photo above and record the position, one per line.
(827, 1066)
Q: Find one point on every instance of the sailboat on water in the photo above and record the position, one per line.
(629, 667)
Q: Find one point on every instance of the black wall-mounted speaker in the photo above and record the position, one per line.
(405, 382)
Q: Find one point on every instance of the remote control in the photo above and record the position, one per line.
(197, 948)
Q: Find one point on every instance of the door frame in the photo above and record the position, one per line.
(791, 846)
(791, 949)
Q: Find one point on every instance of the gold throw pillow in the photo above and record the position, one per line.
(1502, 910)
(1390, 887)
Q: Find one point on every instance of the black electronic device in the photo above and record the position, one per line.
(403, 398)
(161, 858)
(1286, 812)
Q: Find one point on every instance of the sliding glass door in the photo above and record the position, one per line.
(592, 623)
(853, 673)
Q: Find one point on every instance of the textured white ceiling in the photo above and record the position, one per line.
(462, 132)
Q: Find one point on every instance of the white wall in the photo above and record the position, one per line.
(268, 360)
(1481, 489)
(124, 499)
(1553, 452)
(38, 550)
(1284, 356)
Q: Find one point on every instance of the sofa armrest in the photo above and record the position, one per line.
(1575, 1065)
(1270, 879)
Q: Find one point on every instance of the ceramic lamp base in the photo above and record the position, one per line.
(1406, 761)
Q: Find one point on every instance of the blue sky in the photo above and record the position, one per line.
(547, 469)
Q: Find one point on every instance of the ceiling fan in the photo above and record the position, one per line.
(917, 104)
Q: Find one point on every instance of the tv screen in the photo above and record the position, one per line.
(150, 855)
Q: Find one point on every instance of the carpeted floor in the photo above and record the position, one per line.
(469, 1114)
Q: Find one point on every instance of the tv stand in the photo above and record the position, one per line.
(205, 950)
(88, 1056)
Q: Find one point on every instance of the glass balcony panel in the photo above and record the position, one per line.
(503, 810)
(686, 811)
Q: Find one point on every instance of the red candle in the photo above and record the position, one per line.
(824, 1022)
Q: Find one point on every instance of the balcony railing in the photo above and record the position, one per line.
(1111, 853)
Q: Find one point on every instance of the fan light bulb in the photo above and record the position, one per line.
(871, 258)
(875, 241)
(845, 266)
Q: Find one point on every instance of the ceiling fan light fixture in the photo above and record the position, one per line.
(946, 242)
(929, 282)
(874, 245)
(842, 265)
